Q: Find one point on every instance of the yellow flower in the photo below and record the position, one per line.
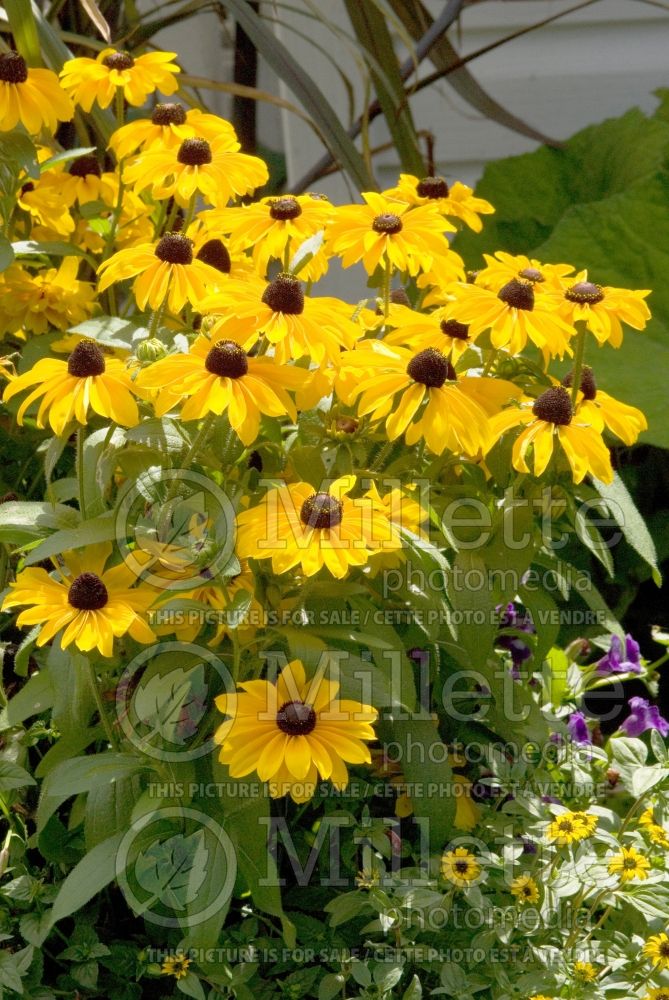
(294, 323)
(656, 949)
(273, 227)
(662, 993)
(90, 81)
(176, 965)
(467, 812)
(165, 269)
(92, 604)
(657, 834)
(53, 297)
(460, 867)
(569, 827)
(409, 238)
(215, 170)
(420, 330)
(456, 200)
(599, 410)
(585, 972)
(540, 996)
(550, 420)
(517, 312)
(420, 396)
(43, 201)
(525, 889)
(294, 731)
(629, 865)
(217, 599)
(602, 308)
(504, 267)
(220, 377)
(297, 525)
(169, 125)
(84, 181)
(30, 96)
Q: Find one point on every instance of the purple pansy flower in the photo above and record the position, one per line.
(578, 728)
(519, 650)
(644, 716)
(618, 662)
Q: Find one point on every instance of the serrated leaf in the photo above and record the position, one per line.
(173, 872)
(168, 701)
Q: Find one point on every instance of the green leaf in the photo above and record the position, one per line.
(6, 253)
(95, 871)
(32, 248)
(34, 697)
(18, 150)
(173, 871)
(330, 986)
(98, 529)
(624, 512)
(81, 774)
(651, 900)
(22, 522)
(191, 986)
(12, 776)
(22, 23)
(10, 977)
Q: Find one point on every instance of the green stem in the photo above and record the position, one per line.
(196, 444)
(100, 705)
(80, 471)
(120, 107)
(156, 318)
(578, 365)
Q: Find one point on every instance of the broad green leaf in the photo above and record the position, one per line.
(34, 697)
(625, 513)
(173, 871)
(12, 776)
(6, 253)
(98, 529)
(22, 522)
(81, 774)
(24, 30)
(95, 871)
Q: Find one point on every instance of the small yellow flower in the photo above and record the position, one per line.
(90, 81)
(599, 410)
(657, 834)
(460, 867)
(456, 200)
(366, 879)
(656, 949)
(503, 267)
(585, 972)
(629, 865)
(540, 996)
(662, 993)
(525, 889)
(569, 827)
(52, 297)
(176, 965)
(604, 309)
(168, 125)
(33, 97)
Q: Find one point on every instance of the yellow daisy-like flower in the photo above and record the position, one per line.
(69, 389)
(84, 181)
(295, 324)
(420, 331)
(91, 604)
(540, 996)
(176, 965)
(504, 267)
(585, 972)
(91, 81)
(570, 827)
(215, 170)
(549, 420)
(525, 889)
(406, 514)
(273, 227)
(604, 309)
(456, 200)
(43, 201)
(168, 126)
(419, 395)
(294, 731)
(519, 311)
(297, 525)
(53, 297)
(30, 96)
(460, 867)
(165, 269)
(409, 238)
(656, 949)
(220, 377)
(657, 834)
(661, 993)
(629, 865)
(217, 599)
(600, 410)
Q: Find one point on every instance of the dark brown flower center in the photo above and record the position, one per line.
(517, 294)
(227, 360)
(471, 276)
(431, 368)
(283, 209)
(664, 949)
(588, 385)
(629, 863)
(86, 360)
(296, 719)
(527, 890)
(118, 60)
(532, 274)
(284, 295)
(399, 297)
(169, 114)
(214, 253)
(174, 248)
(87, 593)
(84, 166)
(554, 406)
(388, 224)
(585, 293)
(346, 425)
(461, 867)
(194, 152)
(13, 68)
(451, 328)
(321, 510)
(432, 187)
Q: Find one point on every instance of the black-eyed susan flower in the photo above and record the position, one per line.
(169, 125)
(92, 605)
(598, 409)
(214, 169)
(70, 389)
(33, 97)
(85, 181)
(629, 865)
(655, 833)
(49, 298)
(176, 966)
(297, 525)
(585, 972)
(549, 420)
(503, 267)
(519, 311)
(656, 949)
(381, 229)
(604, 309)
(525, 889)
(294, 323)
(43, 201)
(166, 270)
(293, 732)
(96, 81)
(419, 394)
(460, 867)
(420, 330)
(220, 377)
(570, 827)
(456, 200)
(661, 993)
